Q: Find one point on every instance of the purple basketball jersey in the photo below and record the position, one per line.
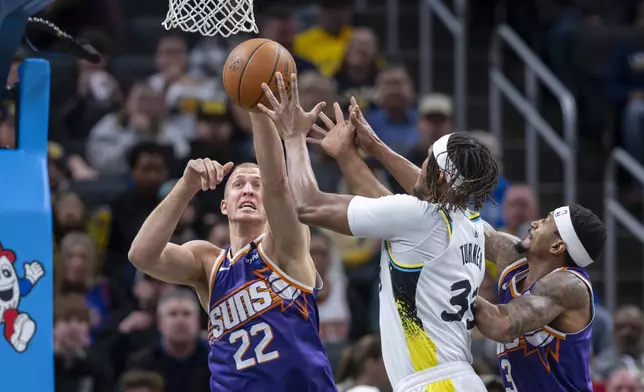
(263, 328)
(545, 360)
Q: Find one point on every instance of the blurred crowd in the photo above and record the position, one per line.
(121, 133)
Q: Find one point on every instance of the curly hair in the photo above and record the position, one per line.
(589, 229)
(474, 164)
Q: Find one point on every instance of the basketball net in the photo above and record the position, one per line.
(211, 17)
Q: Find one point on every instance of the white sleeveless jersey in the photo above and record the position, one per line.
(431, 267)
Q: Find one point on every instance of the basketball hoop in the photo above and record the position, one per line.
(211, 17)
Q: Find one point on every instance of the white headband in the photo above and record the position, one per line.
(439, 149)
(569, 236)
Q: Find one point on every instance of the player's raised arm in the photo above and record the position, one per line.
(339, 143)
(551, 296)
(398, 166)
(151, 252)
(500, 248)
(290, 243)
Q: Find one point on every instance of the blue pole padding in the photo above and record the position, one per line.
(26, 265)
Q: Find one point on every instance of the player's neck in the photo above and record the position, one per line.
(243, 233)
(537, 269)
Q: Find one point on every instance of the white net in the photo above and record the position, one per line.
(211, 17)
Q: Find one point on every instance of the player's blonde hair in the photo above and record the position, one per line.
(245, 165)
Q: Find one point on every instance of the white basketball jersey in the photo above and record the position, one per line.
(431, 267)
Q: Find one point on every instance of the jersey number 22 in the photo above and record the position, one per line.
(462, 301)
(260, 355)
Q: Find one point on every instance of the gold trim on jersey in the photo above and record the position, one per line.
(398, 264)
(448, 221)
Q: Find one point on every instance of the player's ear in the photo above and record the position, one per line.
(224, 207)
(558, 247)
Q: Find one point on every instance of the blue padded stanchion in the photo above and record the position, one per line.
(26, 268)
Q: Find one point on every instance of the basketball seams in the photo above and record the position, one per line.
(277, 61)
(243, 71)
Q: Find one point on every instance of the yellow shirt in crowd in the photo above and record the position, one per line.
(322, 49)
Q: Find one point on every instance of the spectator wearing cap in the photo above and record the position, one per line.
(434, 121)
(278, 23)
(395, 120)
(76, 364)
(325, 43)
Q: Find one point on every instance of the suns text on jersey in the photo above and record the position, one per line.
(472, 254)
(241, 306)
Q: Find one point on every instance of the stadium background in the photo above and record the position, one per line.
(121, 131)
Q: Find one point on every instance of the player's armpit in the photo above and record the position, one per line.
(326, 210)
(500, 248)
(181, 264)
(549, 298)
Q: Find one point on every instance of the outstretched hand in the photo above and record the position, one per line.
(288, 116)
(340, 136)
(367, 138)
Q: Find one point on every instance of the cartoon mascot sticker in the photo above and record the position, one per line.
(19, 327)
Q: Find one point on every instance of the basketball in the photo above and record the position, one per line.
(252, 63)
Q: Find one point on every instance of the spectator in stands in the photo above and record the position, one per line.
(97, 94)
(58, 180)
(68, 215)
(7, 126)
(626, 352)
(332, 299)
(362, 368)
(624, 381)
(214, 140)
(77, 273)
(484, 349)
(357, 74)
(325, 43)
(76, 364)
(182, 92)
(625, 88)
(133, 326)
(148, 163)
(179, 356)
(141, 120)
(602, 327)
(141, 381)
(395, 120)
(279, 24)
(519, 209)
(219, 234)
(434, 120)
(491, 211)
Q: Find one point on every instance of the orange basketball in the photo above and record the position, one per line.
(252, 63)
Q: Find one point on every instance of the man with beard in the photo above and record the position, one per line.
(545, 306)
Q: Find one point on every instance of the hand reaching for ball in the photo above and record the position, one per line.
(205, 174)
(340, 137)
(288, 116)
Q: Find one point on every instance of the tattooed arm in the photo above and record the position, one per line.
(500, 248)
(553, 295)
